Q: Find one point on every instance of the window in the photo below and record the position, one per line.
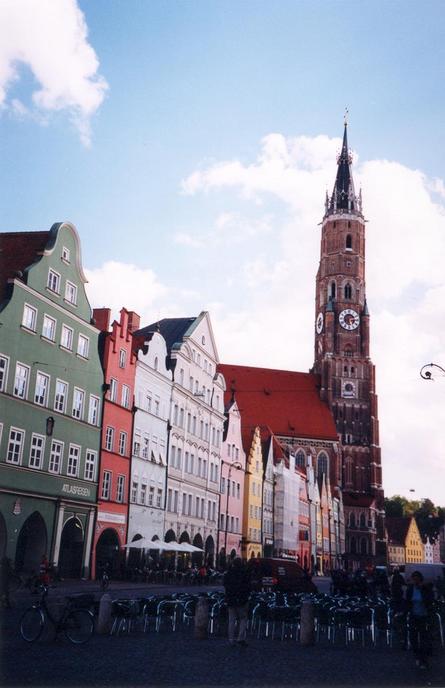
(15, 445)
(71, 293)
(73, 460)
(83, 345)
(125, 396)
(41, 391)
(90, 465)
(300, 459)
(36, 451)
(29, 319)
(78, 399)
(143, 495)
(120, 488)
(66, 339)
(66, 254)
(122, 358)
(53, 281)
(349, 242)
(21, 381)
(156, 407)
(159, 498)
(134, 491)
(113, 389)
(60, 396)
(122, 443)
(3, 373)
(106, 485)
(49, 328)
(93, 411)
(109, 438)
(56, 457)
(348, 291)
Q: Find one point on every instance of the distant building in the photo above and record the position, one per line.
(404, 541)
(253, 494)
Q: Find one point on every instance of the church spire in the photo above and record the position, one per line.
(344, 199)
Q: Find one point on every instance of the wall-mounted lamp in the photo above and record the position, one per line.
(49, 425)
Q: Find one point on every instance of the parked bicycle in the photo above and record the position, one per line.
(76, 623)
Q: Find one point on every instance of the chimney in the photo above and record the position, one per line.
(134, 321)
(101, 318)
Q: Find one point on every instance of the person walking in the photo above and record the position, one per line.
(419, 600)
(237, 590)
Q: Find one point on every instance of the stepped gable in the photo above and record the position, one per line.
(19, 250)
(287, 402)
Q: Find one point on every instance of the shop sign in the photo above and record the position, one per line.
(111, 518)
(76, 490)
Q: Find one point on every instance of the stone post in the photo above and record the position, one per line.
(201, 618)
(307, 623)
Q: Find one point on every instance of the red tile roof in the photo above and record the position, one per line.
(397, 527)
(287, 402)
(18, 250)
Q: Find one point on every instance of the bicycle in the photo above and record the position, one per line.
(77, 624)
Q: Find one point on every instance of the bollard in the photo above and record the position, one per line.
(201, 618)
(307, 623)
(104, 618)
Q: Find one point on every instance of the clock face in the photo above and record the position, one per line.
(319, 323)
(349, 319)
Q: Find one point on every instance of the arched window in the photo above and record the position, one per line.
(362, 521)
(353, 546)
(351, 520)
(332, 290)
(322, 464)
(349, 241)
(348, 291)
(300, 459)
(347, 351)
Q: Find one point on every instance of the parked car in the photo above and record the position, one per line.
(279, 574)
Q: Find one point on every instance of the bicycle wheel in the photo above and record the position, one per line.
(79, 626)
(31, 624)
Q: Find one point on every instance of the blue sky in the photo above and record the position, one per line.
(162, 153)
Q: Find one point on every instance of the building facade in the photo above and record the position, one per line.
(233, 467)
(342, 357)
(253, 491)
(118, 362)
(51, 395)
(196, 431)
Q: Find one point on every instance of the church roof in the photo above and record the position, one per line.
(285, 401)
(18, 251)
(343, 197)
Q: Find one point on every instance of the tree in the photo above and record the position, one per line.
(429, 518)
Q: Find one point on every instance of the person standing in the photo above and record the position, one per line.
(420, 599)
(237, 590)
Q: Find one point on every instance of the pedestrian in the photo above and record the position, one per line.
(237, 590)
(44, 571)
(5, 581)
(397, 585)
(419, 601)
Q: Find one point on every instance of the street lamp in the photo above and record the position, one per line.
(238, 466)
(426, 371)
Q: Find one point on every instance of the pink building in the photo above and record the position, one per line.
(233, 466)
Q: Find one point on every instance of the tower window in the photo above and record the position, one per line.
(349, 242)
(348, 291)
(332, 290)
(349, 223)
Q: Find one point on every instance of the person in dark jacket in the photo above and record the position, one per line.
(419, 602)
(237, 591)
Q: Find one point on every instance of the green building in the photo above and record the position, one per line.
(50, 402)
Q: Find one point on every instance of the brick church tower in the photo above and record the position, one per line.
(347, 373)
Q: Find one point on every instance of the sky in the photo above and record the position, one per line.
(192, 144)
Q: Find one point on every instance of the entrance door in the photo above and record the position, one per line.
(31, 544)
(71, 549)
(107, 552)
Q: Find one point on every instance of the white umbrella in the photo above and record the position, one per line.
(187, 547)
(137, 544)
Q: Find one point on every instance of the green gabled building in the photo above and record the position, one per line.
(50, 402)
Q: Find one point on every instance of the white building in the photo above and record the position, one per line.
(196, 422)
(153, 387)
(287, 501)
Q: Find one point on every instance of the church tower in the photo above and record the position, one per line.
(342, 359)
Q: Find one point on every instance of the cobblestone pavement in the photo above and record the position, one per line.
(173, 659)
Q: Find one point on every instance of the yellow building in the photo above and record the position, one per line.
(253, 490)
(404, 542)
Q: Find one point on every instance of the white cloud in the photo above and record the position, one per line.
(51, 39)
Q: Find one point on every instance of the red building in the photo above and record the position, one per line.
(118, 362)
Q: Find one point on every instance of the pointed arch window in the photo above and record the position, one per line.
(352, 520)
(349, 242)
(300, 459)
(322, 464)
(332, 290)
(348, 291)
